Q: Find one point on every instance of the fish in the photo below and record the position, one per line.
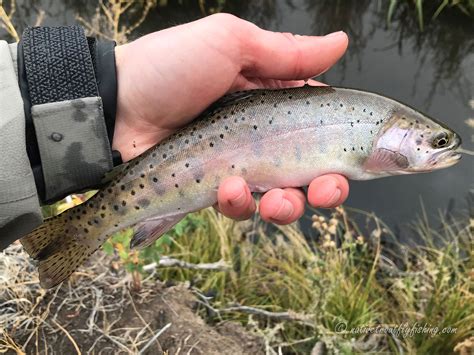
(271, 138)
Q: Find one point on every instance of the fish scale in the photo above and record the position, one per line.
(271, 138)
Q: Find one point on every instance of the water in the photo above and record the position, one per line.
(432, 71)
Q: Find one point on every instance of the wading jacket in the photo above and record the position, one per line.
(57, 113)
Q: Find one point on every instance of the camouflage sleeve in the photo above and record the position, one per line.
(73, 144)
(19, 206)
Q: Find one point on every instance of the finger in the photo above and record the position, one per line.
(286, 56)
(234, 199)
(282, 206)
(328, 191)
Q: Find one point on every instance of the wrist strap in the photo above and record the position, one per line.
(56, 67)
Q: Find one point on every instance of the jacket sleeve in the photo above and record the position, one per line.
(19, 205)
(71, 136)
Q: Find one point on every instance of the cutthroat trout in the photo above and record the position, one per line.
(272, 138)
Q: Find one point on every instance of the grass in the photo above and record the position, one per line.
(340, 278)
(433, 6)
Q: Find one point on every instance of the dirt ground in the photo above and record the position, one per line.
(186, 334)
(96, 312)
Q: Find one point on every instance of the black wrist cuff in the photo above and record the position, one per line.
(56, 64)
(103, 58)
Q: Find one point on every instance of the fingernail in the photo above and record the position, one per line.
(335, 197)
(334, 34)
(239, 200)
(286, 210)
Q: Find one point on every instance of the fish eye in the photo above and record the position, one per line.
(441, 140)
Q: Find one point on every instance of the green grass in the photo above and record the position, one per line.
(338, 277)
(433, 7)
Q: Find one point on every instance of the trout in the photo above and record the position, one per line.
(271, 138)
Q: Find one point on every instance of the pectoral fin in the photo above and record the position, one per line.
(386, 160)
(151, 229)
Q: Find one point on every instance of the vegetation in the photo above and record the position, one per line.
(435, 7)
(326, 284)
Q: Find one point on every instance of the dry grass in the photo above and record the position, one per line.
(6, 19)
(109, 20)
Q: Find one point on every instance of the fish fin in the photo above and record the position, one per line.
(383, 159)
(55, 245)
(151, 229)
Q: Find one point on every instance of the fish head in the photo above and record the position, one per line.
(410, 142)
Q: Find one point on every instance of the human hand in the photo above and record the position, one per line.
(165, 79)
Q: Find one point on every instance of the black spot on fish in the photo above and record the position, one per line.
(427, 126)
(211, 144)
(176, 185)
(198, 181)
(289, 112)
(213, 121)
(137, 207)
(200, 136)
(164, 156)
(142, 176)
(226, 127)
(86, 230)
(102, 215)
(263, 101)
(321, 121)
(358, 121)
(101, 195)
(122, 187)
(222, 136)
(371, 114)
(353, 148)
(254, 127)
(243, 118)
(352, 124)
(345, 149)
(133, 192)
(103, 207)
(361, 148)
(418, 149)
(124, 203)
(307, 102)
(328, 104)
(109, 190)
(341, 105)
(364, 110)
(322, 105)
(186, 165)
(155, 179)
(186, 141)
(171, 146)
(153, 155)
(233, 166)
(275, 105)
(173, 175)
(116, 207)
(142, 186)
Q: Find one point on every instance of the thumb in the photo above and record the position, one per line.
(286, 56)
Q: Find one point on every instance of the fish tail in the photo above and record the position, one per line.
(55, 245)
